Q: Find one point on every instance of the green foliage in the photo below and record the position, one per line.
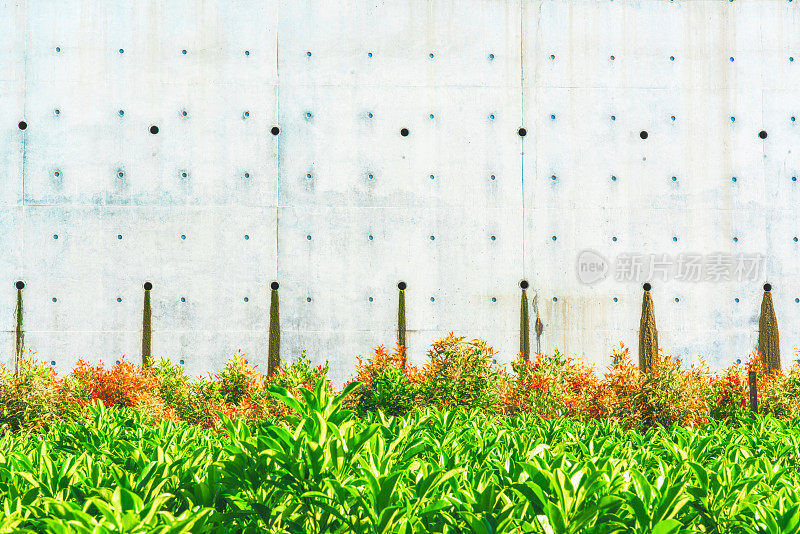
(236, 378)
(32, 398)
(666, 394)
(460, 373)
(175, 389)
(300, 373)
(389, 385)
(326, 470)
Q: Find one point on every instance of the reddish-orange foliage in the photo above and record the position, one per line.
(460, 373)
(122, 385)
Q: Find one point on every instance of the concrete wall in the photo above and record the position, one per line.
(340, 80)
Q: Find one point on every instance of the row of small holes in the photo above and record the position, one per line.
(371, 299)
(494, 299)
(731, 59)
(403, 286)
(492, 238)
(431, 55)
(154, 129)
(184, 52)
(184, 174)
(246, 115)
(403, 131)
(643, 134)
(432, 238)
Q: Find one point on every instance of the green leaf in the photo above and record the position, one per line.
(667, 526)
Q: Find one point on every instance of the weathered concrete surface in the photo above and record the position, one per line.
(339, 171)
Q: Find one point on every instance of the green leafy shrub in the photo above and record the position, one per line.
(237, 378)
(667, 394)
(388, 384)
(176, 390)
(729, 394)
(33, 399)
(461, 373)
(300, 373)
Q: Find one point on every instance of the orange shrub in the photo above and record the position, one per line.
(667, 394)
(125, 384)
(554, 386)
(387, 385)
(459, 373)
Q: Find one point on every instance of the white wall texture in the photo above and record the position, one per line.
(340, 79)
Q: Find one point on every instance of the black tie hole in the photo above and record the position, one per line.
(643, 134)
(148, 286)
(404, 132)
(767, 287)
(275, 130)
(22, 125)
(647, 286)
(274, 286)
(401, 286)
(523, 284)
(522, 132)
(762, 134)
(154, 129)
(20, 284)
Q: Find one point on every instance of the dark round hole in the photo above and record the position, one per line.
(401, 286)
(404, 132)
(647, 286)
(643, 134)
(20, 284)
(275, 130)
(522, 132)
(274, 285)
(154, 129)
(22, 125)
(767, 287)
(523, 284)
(762, 134)
(148, 286)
